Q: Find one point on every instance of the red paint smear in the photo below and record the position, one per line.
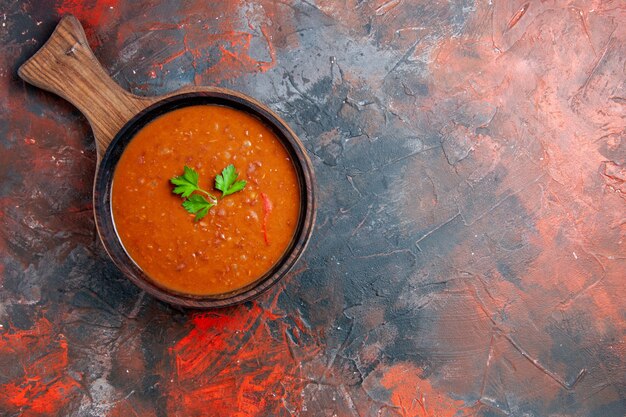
(267, 209)
(238, 392)
(41, 386)
(232, 364)
(416, 397)
(24, 341)
(201, 347)
(93, 15)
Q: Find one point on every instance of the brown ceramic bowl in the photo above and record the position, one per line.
(104, 180)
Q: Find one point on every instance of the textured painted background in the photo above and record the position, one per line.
(470, 251)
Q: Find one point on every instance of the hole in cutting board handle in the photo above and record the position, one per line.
(66, 66)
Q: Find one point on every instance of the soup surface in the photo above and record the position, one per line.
(240, 238)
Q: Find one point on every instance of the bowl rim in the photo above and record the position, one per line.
(104, 214)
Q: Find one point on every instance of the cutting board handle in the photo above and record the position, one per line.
(66, 66)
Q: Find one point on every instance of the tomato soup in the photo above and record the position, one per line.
(242, 237)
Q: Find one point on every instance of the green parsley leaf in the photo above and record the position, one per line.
(186, 183)
(198, 205)
(227, 182)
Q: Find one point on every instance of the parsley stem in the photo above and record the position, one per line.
(211, 196)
